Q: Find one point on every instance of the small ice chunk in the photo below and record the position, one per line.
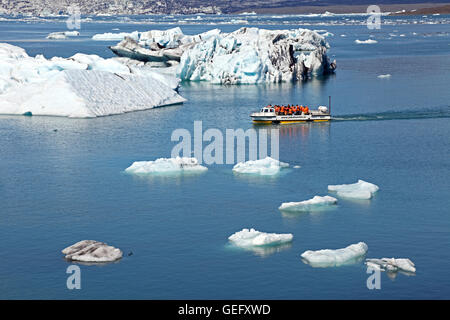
(383, 76)
(334, 258)
(315, 203)
(92, 251)
(391, 265)
(265, 167)
(368, 41)
(108, 36)
(166, 165)
(62, 35)
(361, 190)
(251, 238)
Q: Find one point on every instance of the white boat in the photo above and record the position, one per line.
(291, 114)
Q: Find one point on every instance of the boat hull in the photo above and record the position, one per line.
(290, 119)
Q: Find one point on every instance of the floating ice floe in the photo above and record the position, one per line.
(368, 41)
(335, 258)
(79, 86)
(361, 190)
(265, 167)
(316, 203)
(115, 36)
(92, 251)
(391, 264)
(252, 238)
(62, 35)
(384, 76)
(166, 165)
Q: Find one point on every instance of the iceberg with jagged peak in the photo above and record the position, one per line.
(245, 56)
(361, 190)
(252, 55)
(251, 238)
(166, 166)
(80, 86)
(335, 258)
(314, 204)
(264, 167)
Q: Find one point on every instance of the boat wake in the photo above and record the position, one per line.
(430, 113)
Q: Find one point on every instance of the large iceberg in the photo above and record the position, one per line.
(391, 265)
(166, 165)
(264, 167)
(245, 56)
(335, 258)
(92, 251)
(252, 55)
(79, 86)
(361, 190)
(251, 238)
(314, 204)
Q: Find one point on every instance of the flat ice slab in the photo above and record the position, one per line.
(391, 264)
(265, 167)
(251, 238)
(361, 190)
(166, 165)
(368, 41)
(316, 203)
(92, 251)
(335, 258)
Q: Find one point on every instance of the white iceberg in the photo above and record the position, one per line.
(108, 36)
(391, 265)
(252, 238)
(252, 55)
(80, 86)
(62, 35)
(384, 76)
(265, 167)
(314, 204)
(166, 165)
(368, 41)
(92, 251)
(335, 258)
(361, 190)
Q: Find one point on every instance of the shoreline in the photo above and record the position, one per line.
(410, 9)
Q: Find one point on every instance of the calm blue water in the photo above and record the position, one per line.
(57, 188)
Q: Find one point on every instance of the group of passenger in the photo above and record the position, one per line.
(290, 109)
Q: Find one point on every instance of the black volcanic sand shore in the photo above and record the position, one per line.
(445, 9)
(442, 8)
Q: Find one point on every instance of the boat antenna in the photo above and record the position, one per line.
(329, 104)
